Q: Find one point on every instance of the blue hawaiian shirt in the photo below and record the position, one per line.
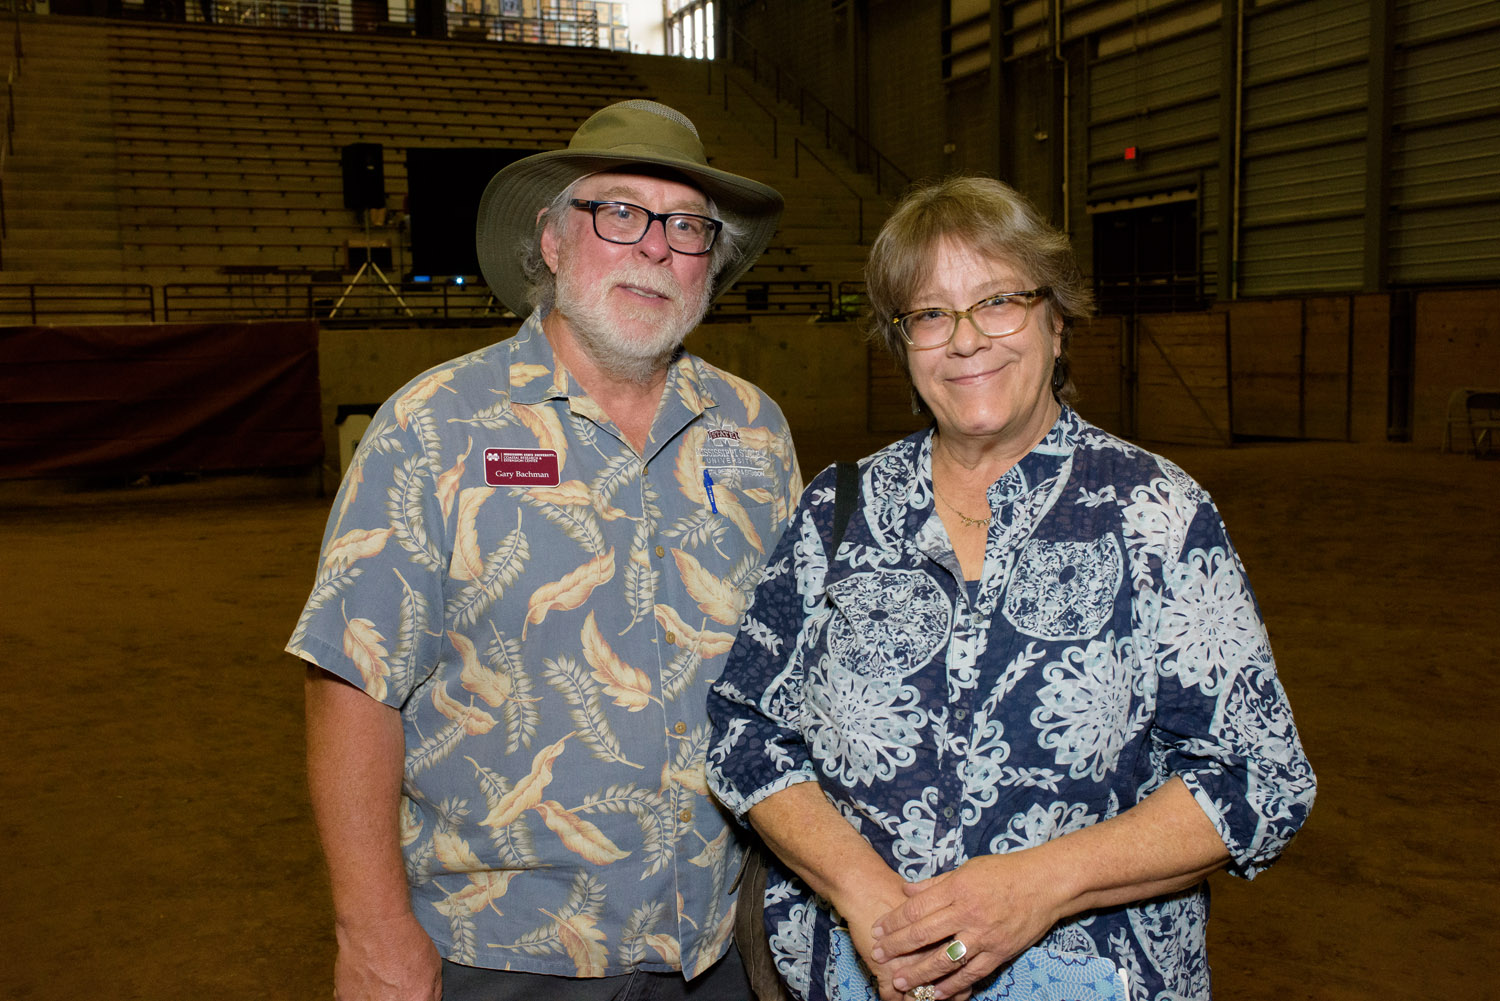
(546, 607)
(1112, 643)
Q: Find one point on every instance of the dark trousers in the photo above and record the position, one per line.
(724, 981)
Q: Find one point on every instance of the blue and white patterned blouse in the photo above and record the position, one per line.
(1114, 643)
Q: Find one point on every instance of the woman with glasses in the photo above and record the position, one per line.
(1001, 730)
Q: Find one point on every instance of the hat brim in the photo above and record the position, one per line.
(507, 211)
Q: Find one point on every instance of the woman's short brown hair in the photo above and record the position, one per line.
(996, 221)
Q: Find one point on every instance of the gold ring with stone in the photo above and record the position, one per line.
(924, 992)
(957, 951)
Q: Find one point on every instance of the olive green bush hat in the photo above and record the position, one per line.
(630, 133)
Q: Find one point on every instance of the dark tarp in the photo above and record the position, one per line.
(158, 398)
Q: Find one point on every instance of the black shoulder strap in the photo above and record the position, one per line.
(845, 496)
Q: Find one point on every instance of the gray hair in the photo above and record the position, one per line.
(541, 283)
(996, 221)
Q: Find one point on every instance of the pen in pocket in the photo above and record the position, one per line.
(708, 488)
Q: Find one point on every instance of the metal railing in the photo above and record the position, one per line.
(344, 302)
(370, 301)
(859, 203)
(562, 22)
(838, 134)
(64, 303)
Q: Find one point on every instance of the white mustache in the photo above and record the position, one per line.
(646, 279)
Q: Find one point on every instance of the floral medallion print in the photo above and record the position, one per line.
(1064, 590)
(1111, 645)
(889, 623)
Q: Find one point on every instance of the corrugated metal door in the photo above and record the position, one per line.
(1445, 142)
(1157, 95)
(1302, 195)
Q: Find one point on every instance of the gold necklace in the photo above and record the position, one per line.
(971, 522)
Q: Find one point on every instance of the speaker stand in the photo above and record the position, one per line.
(367, 266)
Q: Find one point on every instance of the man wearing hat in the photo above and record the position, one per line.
(536, 564)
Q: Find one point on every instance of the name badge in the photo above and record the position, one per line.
(521, 467)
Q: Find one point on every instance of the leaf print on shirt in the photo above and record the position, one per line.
(519, 711)
(362, 645)
(748, 394)
(585, 900)
(584, 943)
(718, 599)
(652, 815)
(578, 835)
(486, 885)
(513, 843)
(541, 420)
(358, 544)
(582, 692)
(468, 554)
(417, 396)
(408, 514)
(569, 592)
(522, 374)
(447, 483)
(569, 506)
(576, 493)
(415, 618)
(629, 687)
(499, 570)
(464, 721)
(640, 926)
(528, 790)
(641, 581)
(496, 688)
(1208, 620)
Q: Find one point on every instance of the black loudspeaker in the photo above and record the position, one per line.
(364, 175)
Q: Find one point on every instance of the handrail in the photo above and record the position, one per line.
(74, 302)
(413, 303)
(830, 118)
(859, 202)
(775, 124)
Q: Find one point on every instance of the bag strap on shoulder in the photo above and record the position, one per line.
(845, 497)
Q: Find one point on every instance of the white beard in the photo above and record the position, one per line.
(588, 310)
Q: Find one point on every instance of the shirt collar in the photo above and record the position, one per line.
(534, 376)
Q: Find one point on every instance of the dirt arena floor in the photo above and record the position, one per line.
(156, 835)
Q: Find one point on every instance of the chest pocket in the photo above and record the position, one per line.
(888, 623)
(1064, 590)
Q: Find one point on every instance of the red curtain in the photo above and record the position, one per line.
(158, 398)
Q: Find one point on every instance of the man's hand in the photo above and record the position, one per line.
(392, 961)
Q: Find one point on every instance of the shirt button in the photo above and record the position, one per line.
(660, 552)
(685, 816)
(961, 714)
(680, 727)
(948, 813)
(672, 638)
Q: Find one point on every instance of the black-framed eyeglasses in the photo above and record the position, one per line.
(622, 222)
(993, 316)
